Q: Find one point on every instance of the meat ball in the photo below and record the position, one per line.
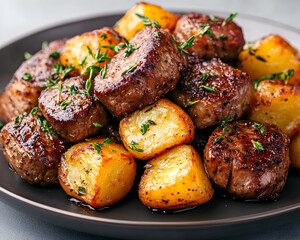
(248, 159)
(219, 40)
(73, 114)
(33, 148)
(213, 91)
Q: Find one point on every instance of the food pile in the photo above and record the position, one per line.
(185, 95)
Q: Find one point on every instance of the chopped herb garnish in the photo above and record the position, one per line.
(62, 72)
(205, 76)
(175, 40)
(81, 191)
(107, 141)
(156, 34)
(103, 71)
(257, 145)
(147, 21)
(116, 36)
(60, 88)
(45, 45)
(64, 104)
(115, 48)
(82, 62)
(191, 103)
(72, 89)
(27, 76)
(133, 146)
(103, 35)
(217, 140)
(145, 126)
(259, 126)
(225, 128)
(97, 124)
(205, 30)
(34, 111)
(45, 125)
(97, 148)
(222, 37)
(189, 43)
(54, 55)
(18, 119)
(208, 88)
(230, 18)
(151, 122)
(113, 150)
(50, 83)
(284, 75)
(213, 18)
(1, 125)
(226, 121)
(130, 48)
(16, 126)
(27, 55)
(130, 69)
(261, 58)
(148, 109)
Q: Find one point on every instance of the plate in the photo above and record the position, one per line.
(129, 218)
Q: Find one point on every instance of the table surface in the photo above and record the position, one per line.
(19, 18)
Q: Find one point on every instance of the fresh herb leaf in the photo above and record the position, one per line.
(144, 128)
(103, 36)
(175, 40)
(257, 145)
(261, 58)
(156, 34)
(205, 30)
(213, 18)
(189, 43)
(146, 20)
(18, 119)
(27, 76)
(130, 48)
(205, 76)
(151, 122)
(72, 88)
(284, 75)
(222, 37)
(230, 18)
(217, 140)
(226, 121)
(45, 45)
(16, 126)
(116, 36)
(208, 88)
(148, 109)
(97, 148)
(64, 104)
(81, 191)
(34, 111)
(115, 48)
(225, 128)
(133, 146)
(50, 83)
(107, 141)
(103, 71)
(82, 62)
(191, 103)
(45, 125)
(156, 23)
(54, 55)
(130, 69)
(27, 55)
(97, 124)
(113, 150)
(259, 126)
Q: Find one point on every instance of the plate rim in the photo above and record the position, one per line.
(199, 223)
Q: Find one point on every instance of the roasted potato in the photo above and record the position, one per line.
(150, 131)
(130, 23)
(98, 172)
(175, 180)
(77, 54)
(295, 150)
(278, 103)
(269, 55)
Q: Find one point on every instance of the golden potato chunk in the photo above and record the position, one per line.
(77, 49)
(175, 180)
(295, 151)
(277, 103)
(98, 172)
(269, 55)
(130, 23)
(149, 132)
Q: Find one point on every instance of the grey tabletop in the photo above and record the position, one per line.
(19, 18)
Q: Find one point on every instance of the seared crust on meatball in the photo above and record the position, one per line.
(22, 95)
(226, 43)
(31, 150)
(75, 116)
(144, 76)
(229, 97)
(249, 160)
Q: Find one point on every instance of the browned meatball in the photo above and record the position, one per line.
(247, 159)
(74, 115)
(33, 149)
(213, 91)
(225, 42)
(22, 95)
(144, 76)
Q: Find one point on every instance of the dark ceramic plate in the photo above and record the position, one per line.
(129, 218)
